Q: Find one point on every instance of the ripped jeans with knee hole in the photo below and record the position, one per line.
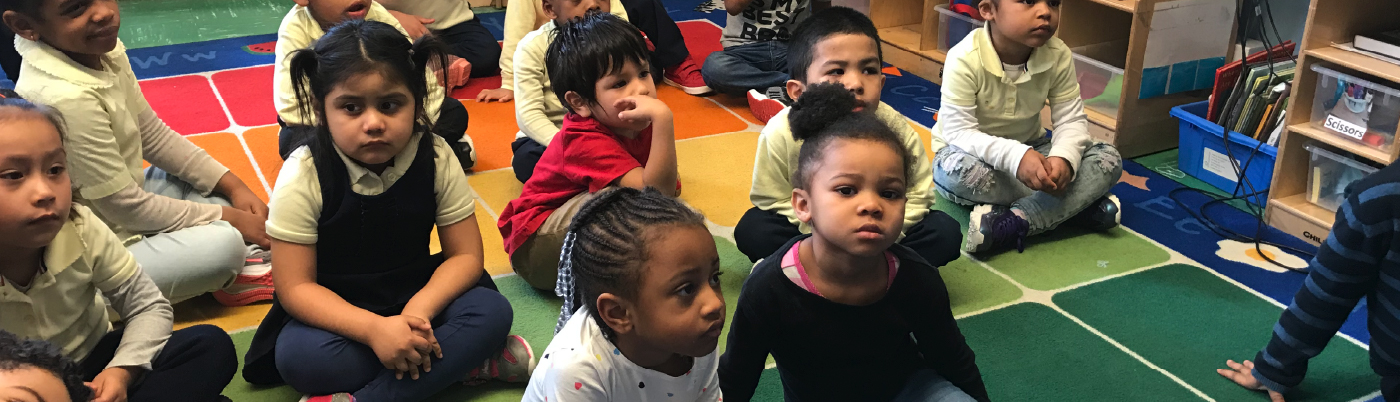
(967, 180)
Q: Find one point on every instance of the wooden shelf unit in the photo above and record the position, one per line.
(910, 30)
(1338, 21)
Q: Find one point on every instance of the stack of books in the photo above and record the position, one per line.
(1250, 95)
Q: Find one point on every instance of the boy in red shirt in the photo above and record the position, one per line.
(616, 134)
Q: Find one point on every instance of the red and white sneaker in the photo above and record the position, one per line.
(686, 76)
(341, 397)
(513, 363)
(253, 284)
(764, 107)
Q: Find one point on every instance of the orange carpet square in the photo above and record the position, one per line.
(263, 142)
(697, 116)
(492, 128)
(226, 149)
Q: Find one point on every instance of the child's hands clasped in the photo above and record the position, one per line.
(641, 109)
(1243, 374)
(111, 384)
(404, 344)
(1051, 175)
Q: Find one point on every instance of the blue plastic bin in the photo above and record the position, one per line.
(1203, 154)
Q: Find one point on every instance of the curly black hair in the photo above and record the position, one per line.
(826, 112)
(16, 354)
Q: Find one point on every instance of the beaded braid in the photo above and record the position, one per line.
(606, 245)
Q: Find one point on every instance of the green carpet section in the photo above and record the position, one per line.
(972, 288)
(1069, 255)
(1029, 352)
(1188, 322)
(536, 312)
(147, 23)
(1164, 163)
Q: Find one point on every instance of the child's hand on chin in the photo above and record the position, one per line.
(641, 109)
(1243, 374)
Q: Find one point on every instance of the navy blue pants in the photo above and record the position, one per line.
(470, 329)
(527, 154)
(470, 40)
(196, 364)
(937, 238)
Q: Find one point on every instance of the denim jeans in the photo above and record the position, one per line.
(192, 261)
(927, 385)
(737, 69)
(963, 178)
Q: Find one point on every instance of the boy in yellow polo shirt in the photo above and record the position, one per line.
(998, 158)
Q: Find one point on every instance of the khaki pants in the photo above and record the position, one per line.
(537, 260)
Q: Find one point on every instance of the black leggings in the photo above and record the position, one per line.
(470, 40)
(195, 365)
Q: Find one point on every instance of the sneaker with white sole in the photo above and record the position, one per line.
(254, 282)
(466, 152)
(513, 363)
(991, 226)
(765, 105)
(686, 76)
(340, 397)
(1104, 214)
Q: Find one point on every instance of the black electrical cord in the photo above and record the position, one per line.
(1243, 183)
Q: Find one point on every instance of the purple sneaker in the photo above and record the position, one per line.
(992, 225)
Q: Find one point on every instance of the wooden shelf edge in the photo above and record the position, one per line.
(1358, 62)
(899, 37)
(1124, 5)
(1298, 217)
(1307, 130)
(1102, 119)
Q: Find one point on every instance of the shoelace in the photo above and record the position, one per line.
(1008, 226)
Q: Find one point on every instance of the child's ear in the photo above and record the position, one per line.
(801, 205)
(795, 89)
(20, 24)
(548, 7)
(577, 104)
(615, 312)
(988, 9)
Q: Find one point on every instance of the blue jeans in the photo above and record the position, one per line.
(192, 261)
(737, 69)
(927, 385)
(470, 329)
(967, 180)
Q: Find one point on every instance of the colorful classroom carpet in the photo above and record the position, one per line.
(1146, 311)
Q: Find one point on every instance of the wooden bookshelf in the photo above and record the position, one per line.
(1336, 21)
(910, 30)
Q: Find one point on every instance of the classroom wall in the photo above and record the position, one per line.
(1289, 15)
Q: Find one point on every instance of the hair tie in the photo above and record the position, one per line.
(564, 286)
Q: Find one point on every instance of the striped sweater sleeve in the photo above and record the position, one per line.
(1348, 266)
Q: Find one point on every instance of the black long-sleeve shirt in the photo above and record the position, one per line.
(827, 351)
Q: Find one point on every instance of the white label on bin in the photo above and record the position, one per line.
(1219, 164)
(1344, 127)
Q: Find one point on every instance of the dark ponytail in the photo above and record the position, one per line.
(356, 47)
(607, 243)
(825, 112)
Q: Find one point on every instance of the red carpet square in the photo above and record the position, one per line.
(186, 103)
(701, 37)
(248, 94)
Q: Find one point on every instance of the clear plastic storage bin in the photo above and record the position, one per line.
(953, 27)
(1329, 174)
(1101, 83)
(1355, 108)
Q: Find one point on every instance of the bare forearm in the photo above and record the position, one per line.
(454, 277)
(319, 307)
(734, 7)
(660, 171)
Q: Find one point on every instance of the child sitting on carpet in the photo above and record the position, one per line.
(308, 21)
(839, 45)
(616, 134)
(998, 157)
(473, 51)
(754, 57)
(643, 308)
(188, 239)
(846, 304)
(62, 268)
(1357, 260)
(362, 303)
(36, 371)
(538, 112)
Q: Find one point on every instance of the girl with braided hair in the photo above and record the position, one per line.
(643, 309)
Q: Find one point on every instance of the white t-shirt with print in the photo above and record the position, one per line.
(581, 365)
